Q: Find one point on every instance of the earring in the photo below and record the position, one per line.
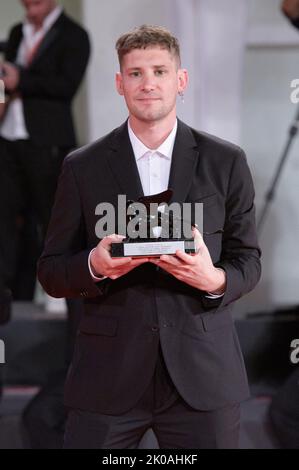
(181, 93)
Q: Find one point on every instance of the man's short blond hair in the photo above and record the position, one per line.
(148, 36)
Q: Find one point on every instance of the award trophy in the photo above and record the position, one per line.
(153, 231)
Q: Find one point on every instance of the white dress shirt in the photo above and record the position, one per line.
(153, 165)
(13, 126)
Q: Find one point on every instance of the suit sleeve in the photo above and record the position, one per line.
(63, 267)
(63, 85)
(240, 257)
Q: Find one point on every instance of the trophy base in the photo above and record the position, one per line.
(153, 249)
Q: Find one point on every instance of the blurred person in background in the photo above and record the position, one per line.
(44, 63)
(45, 60)
(5, 294)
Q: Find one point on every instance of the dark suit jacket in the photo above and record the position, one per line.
(50, 83)
(117, 344)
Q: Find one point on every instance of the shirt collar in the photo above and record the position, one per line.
(165, 149)
(28, 28)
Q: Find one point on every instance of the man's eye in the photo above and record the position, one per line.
(135, 74)
(160, 72)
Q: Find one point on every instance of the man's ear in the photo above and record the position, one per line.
(119, 83)
(183, 79)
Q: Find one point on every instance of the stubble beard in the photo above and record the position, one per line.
(153, 115)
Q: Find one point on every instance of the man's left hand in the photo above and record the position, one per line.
(196, 270)
(11, 76)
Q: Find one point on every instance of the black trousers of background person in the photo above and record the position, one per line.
(175, 424)
(44, 418)
(29, 179)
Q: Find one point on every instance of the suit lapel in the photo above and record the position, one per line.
(123, 164)
(184, 160)
(14, 44)
(48, 39)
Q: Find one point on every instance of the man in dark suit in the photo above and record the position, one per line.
(45, 60)
(156, 346)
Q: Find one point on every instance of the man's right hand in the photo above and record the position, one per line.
(102, 264)
(291, 8)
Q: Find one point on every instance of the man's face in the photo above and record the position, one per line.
(38, 10)
(150, 81)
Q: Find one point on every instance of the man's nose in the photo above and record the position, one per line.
(30, 11)
(148, 83)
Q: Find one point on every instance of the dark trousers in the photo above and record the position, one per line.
(28, 179)
(175, 424)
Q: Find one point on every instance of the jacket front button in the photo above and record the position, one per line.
(155, 328)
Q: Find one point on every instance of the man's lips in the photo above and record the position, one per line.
(148, 99)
